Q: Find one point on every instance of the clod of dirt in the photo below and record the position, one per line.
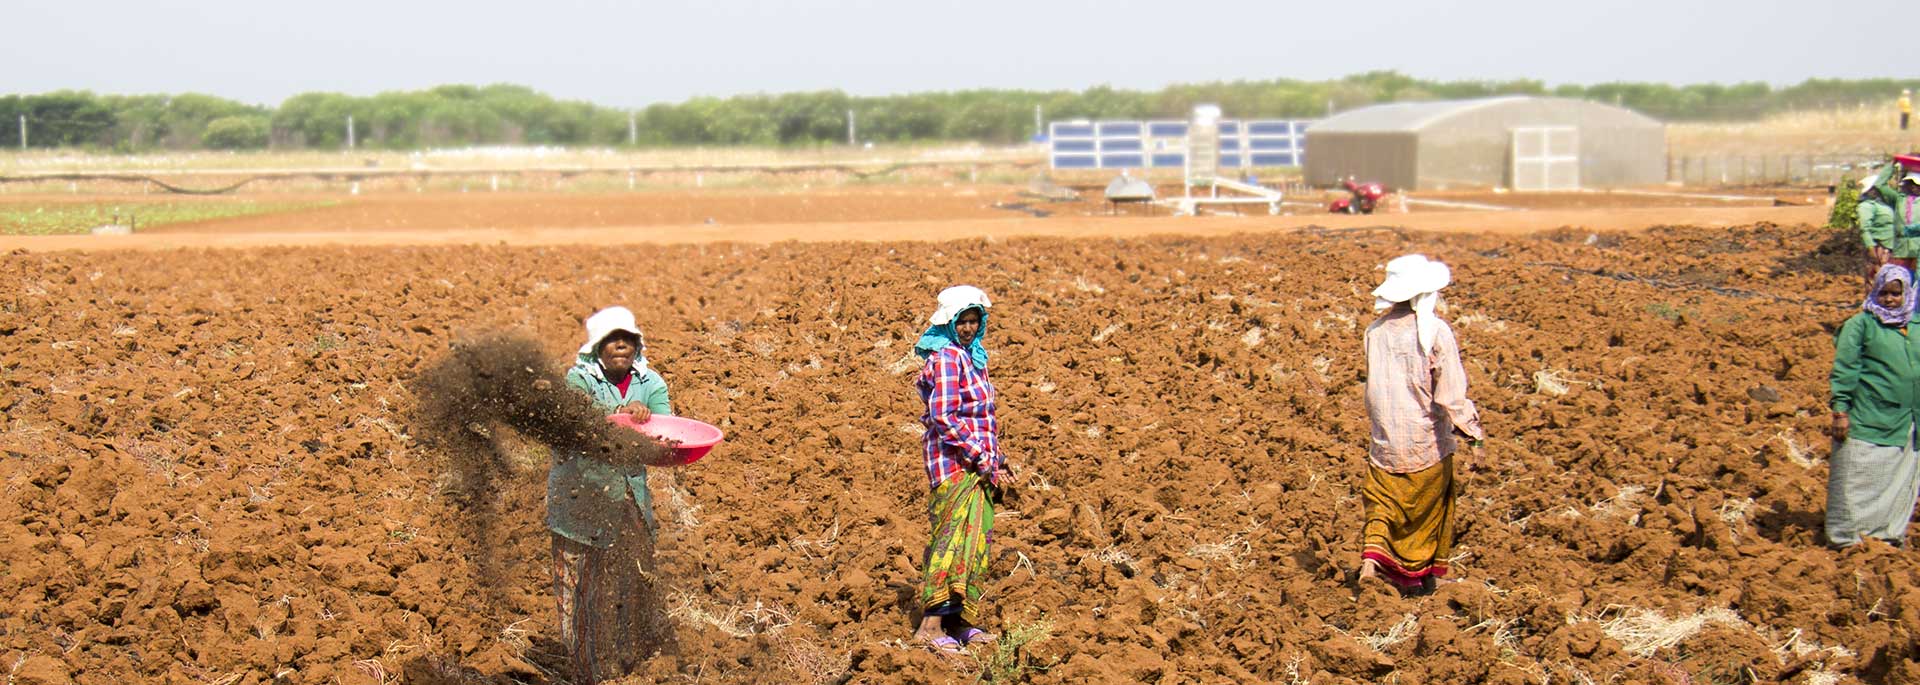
(41, 669)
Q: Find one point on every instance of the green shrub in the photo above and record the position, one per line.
(1846, 204)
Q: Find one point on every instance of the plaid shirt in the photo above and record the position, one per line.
(1415, 400)
(961, 431)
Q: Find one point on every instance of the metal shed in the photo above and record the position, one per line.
(1518, 142)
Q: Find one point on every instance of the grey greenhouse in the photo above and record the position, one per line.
(1522, 143)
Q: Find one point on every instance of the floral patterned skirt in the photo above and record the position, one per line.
(956, 561)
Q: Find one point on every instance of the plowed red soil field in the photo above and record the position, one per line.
(214, 470)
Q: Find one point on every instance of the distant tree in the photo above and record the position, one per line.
(460, 114)
(810, 118)
(313, 120)
(184, 118)
(11, 107)
(67, 118)
(245, 132)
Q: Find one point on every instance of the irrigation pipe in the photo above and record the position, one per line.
(1676, 285)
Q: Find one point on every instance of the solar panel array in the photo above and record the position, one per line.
(1163, 144)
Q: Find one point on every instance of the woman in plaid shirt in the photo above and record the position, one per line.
(964, 467)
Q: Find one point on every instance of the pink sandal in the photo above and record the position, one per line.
(945, 644)
(970, 635)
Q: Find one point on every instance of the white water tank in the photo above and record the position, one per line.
(1203, 143)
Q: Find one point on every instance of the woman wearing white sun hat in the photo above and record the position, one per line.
(601, 516)
(1416, 402)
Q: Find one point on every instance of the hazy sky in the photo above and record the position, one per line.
(637, 53)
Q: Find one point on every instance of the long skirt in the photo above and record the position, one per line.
(1870, 491)
(1409, 529)
(612, 619)
(956, 561)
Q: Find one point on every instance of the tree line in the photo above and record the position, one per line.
(461, 115)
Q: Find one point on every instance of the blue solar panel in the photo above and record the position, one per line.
(1123, 144)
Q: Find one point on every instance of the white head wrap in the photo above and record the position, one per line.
(1414, 278)
(957, 299)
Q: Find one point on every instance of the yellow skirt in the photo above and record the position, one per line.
(1409, 530)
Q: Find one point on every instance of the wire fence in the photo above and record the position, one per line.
(1748, 170)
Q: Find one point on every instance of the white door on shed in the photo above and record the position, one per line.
(1545, 158)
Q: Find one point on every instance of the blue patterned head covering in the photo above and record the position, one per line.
(953, 302)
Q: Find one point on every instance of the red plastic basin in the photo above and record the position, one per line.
(1908, 162)
(696, 438)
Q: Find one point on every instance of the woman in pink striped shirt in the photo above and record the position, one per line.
(964, 468)
(1417, 402)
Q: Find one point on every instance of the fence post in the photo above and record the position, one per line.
(23, 132)
(350, 140)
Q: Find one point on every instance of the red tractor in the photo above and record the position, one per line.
(1361, 198)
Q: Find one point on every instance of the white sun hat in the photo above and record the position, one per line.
(1412, 275)
(957, 299)
(606, 322)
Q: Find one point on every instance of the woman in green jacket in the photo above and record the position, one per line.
(1879, 231)
(601, 515)
(1875, 469)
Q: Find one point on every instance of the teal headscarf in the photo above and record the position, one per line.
(942, 335)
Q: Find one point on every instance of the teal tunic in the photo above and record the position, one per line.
(586, 497)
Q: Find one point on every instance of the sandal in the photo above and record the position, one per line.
(946, 645)
(971, 635)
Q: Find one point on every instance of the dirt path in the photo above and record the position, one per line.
(570, 229)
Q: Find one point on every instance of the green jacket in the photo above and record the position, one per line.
(1896, 212)
(1883, 222)
(1876, 380)
(586, 497)
(1879, 228)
